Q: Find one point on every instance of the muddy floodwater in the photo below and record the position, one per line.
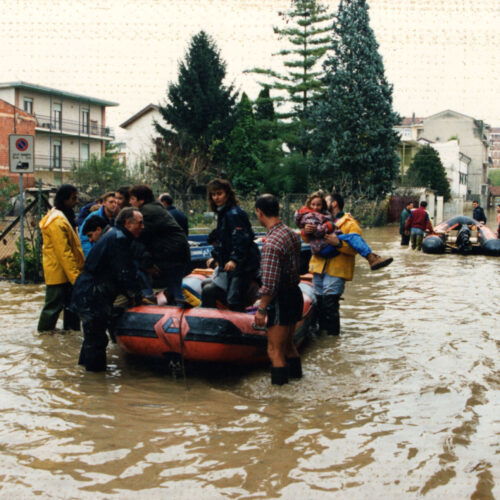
(404, 404)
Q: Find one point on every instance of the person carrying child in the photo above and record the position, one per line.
(315, 213)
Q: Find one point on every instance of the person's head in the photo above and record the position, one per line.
(220, 193)
(131, 219)
(337, 203)
(409, 205)
(141, 194)
(166, 200)
(423, 204)
(316, 201)
(66, 197)
(109, 204)
(475, 203)
(94, 228)
(122, 197)
(267, 207)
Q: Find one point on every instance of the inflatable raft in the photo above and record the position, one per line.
(202, 334)
(462, 234)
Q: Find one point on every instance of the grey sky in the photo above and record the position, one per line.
(438, 53)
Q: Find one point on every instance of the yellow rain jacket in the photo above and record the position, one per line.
(341, 266)
(62, 254)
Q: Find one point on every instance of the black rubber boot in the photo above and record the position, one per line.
(331, 314)
(294, 367)
(279, 375)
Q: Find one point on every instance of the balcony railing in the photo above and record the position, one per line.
(46, 162)
(74, 127)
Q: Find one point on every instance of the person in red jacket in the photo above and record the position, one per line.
(418, 223)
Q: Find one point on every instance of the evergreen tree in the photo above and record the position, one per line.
(427, 170)
(199, 110)
(242, 150)
(306, 30)
(354, 144)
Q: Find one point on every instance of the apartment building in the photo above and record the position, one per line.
(70, 127)
(495, 146)
(410, 134)
(472, 137)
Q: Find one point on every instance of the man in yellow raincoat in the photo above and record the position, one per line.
(62, 258)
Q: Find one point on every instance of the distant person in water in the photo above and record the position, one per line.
(478, 212)
(62, 259)
(405, 233)
(418, 223)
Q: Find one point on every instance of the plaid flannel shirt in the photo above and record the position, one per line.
(280, 261)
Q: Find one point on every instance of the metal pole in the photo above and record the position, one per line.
(21, 221)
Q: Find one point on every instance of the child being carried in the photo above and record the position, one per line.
(315, 212)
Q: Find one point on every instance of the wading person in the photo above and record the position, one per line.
(235, 253)
(405, 233)
(315, 216)
(109, 271)
(418, 223)
(478, 212)
(167, 254)
(330, 274)
(107, 211)
(281, 300)
(62, 260)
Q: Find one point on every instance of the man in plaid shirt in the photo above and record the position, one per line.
(281, 300)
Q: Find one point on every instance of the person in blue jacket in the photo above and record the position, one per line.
(107, 211)
(235, 253)
(110, 270)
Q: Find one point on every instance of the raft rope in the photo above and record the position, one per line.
(181, 344)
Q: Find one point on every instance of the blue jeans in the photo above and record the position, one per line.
(356, 242)
(324, 284)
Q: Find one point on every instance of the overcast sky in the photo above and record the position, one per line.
(438, 54)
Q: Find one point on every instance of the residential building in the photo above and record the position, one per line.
(13, 121)
(456, 165)
(472, 137)
(410, 132)
(140, 134)
(70, 127)
(495, 146)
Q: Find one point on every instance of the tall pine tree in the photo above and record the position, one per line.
(354, 144)
(198, 113)
(307, 26)
(427, 170)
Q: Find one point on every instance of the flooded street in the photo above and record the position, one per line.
(404, 404)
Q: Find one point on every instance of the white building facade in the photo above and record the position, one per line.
(70, 127)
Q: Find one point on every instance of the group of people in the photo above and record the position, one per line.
(132, 244)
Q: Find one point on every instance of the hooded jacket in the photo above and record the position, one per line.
(341, 266)
(62, 254)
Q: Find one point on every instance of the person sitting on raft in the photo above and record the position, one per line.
(315, 213)
(235, 253)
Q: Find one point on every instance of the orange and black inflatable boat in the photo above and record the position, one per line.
(202, 334)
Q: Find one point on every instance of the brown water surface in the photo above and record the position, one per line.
(404, 404)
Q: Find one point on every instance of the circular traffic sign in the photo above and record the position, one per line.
(22, 144)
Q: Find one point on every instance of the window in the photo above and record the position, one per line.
(84, 152)
(56, 154)
(85, 121)
(28, 105)
(93, 127)
(57, 115)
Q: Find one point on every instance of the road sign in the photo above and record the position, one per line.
(21, 153)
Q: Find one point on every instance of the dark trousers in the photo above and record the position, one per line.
(95, 341)
(405, 240)
(57, 299)
(171, 280)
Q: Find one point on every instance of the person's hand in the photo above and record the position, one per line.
(332, 239)
(211, 263)
(309, 228)
(230, 266)
(260, 319)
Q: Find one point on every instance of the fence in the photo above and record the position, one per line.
(35, 206)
